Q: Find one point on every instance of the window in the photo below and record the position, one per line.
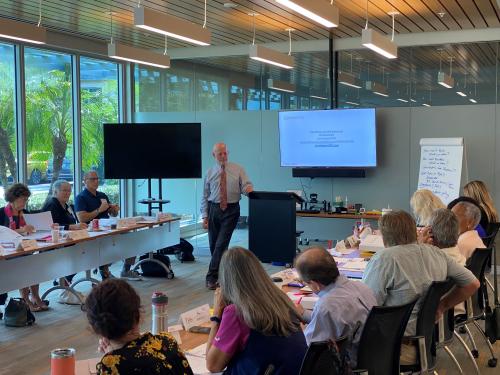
(99, 96)
(292, 102)
(8, 160)
(274, 100)
(209, 97)
(236, 98)
(147, 90)
(254, 99)
(178, 93)
(49, 121)
(304, 103)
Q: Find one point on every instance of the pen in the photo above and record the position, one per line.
(299, 301)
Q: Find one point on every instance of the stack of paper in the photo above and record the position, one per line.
(197, 360)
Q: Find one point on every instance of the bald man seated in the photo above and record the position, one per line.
(343, 304)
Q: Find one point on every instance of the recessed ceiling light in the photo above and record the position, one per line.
(230, 5)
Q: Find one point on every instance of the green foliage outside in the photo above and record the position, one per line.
(49, 123)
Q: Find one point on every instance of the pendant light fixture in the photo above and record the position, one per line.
(270, 56)
(136, 55)
(174, 27)
(377, 42)
(462, 92)
(376, 87)
(274, 84)
(474, 98)
(445, 80)
(24, 32)
(348, 78)
(317, 10)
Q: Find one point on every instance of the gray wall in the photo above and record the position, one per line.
(252, 138)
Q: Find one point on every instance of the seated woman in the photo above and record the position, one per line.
(477, 190)
(468, 215)
(254, 324)
(423, 203)
(483, 222)
(11, 216)
(113, 311)
(64, 215)
(444, 231)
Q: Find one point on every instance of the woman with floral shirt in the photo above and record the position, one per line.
(113, 311)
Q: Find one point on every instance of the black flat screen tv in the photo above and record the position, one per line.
(152, 150)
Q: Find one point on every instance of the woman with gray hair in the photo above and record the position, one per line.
(254, 325)
(64, 215)
(469, 216)
(444, 231)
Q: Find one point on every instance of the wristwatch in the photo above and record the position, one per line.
(215, 319)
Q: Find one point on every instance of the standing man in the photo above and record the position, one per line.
(91, 204)
(220, 209)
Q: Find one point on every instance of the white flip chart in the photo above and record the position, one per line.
(441, 166)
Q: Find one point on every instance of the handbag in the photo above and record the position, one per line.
(18, 314)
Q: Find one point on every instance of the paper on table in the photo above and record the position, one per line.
(7, 234)
(354, 264)
(197, 360)
(41, 220)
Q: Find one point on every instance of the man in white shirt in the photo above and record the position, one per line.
(220, 209)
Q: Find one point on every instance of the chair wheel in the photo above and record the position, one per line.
(492, 362)
(462, 330)
(170, 275)
(475, 353)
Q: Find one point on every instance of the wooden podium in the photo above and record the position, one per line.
(272, 228)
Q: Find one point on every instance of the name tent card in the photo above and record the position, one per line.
(28, 244)
(78, 234)
(195, 317)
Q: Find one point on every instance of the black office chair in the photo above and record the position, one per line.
(492, 229)
(380, 344)
(475, 306)
(325, 358)
(424, 339)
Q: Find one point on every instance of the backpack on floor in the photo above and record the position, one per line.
(183, 251)
(152, 269)
(18, 314)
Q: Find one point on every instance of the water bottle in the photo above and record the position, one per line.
(159, 302)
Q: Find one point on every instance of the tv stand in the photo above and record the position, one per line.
(152, 201)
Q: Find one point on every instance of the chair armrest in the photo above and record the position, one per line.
(419, 342)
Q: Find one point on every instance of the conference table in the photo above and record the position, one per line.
(327, 215)
(48, 261)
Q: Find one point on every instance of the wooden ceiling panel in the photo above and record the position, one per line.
(488, 12)
(231, 26)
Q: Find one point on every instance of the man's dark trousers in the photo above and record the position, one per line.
(221, 225)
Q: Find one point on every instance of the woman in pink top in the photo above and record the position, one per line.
(255, 325)
(468, 216)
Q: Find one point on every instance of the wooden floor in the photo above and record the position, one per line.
(25, 351)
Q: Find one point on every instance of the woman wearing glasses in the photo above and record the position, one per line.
(11, 216)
